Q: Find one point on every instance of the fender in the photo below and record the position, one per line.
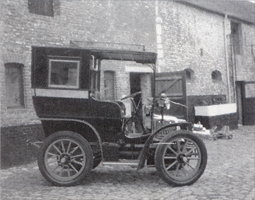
(144, 153)
(80, 121)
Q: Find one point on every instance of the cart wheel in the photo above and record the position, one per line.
(182, 160)
(65, 158)
(230, 136)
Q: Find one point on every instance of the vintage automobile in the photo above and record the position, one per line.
(82, 130)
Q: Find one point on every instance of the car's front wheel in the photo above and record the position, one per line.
(181, 158)
(65, 158)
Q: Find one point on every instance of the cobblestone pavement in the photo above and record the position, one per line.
(229, 175)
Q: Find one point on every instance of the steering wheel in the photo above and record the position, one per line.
(131, 95)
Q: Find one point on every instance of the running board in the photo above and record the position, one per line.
(122, 162)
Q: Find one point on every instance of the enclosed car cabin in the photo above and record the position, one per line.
(66, 82)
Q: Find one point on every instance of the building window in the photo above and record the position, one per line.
(189, 74)
(41, 7)
(14, 85)
(236, 37)
(216, 76)
(109, 85)
(63, 73)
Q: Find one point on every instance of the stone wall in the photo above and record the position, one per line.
(245, 63)
(192, 39)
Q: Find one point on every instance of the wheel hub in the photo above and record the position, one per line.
(182, 158)
(65, 159)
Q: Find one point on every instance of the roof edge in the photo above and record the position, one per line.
(189, 3)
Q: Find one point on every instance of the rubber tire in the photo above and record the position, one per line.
(160, 150)
(77, 138)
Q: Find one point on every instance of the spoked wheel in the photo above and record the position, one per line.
(65, 158)
(181, 158)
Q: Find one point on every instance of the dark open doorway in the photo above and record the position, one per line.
(135, 85)
(246, 102)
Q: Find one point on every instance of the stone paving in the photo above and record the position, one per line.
(230, 174)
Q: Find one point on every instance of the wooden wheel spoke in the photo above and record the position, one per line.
(169, 147)
(77, 156)
(68, 148)
(170, 157)
(183, 171)
(189, 166)
(52, 154)
(57, 149)
(170, 166)
(55, 168)
(185, 146)
(74, 150)
(178, 146)
(188, 153)
(52, 161)
(192, 154)
(63, 147)
(70, 164)
(177, 169)
(77, 162)
(193, 158)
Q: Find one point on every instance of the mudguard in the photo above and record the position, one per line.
(144, 153)
(82, 122)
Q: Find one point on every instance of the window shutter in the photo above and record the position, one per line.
(41, 7)
(14, 85)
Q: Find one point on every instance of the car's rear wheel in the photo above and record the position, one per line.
(181, 158)
(65, 158)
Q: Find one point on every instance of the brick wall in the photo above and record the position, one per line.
(105, 22)
(15, 150)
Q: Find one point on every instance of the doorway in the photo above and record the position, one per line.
(246, 102)
(239, 96)
(135, 85)
(109, 90)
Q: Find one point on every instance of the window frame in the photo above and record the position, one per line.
(41, 7)
(216, 76)
(50, 85)
(190, 74)
(21, 102)
(236, 37)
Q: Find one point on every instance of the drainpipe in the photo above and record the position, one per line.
(226, 56)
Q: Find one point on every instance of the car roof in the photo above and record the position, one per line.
(143, 57)
(126, 55)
